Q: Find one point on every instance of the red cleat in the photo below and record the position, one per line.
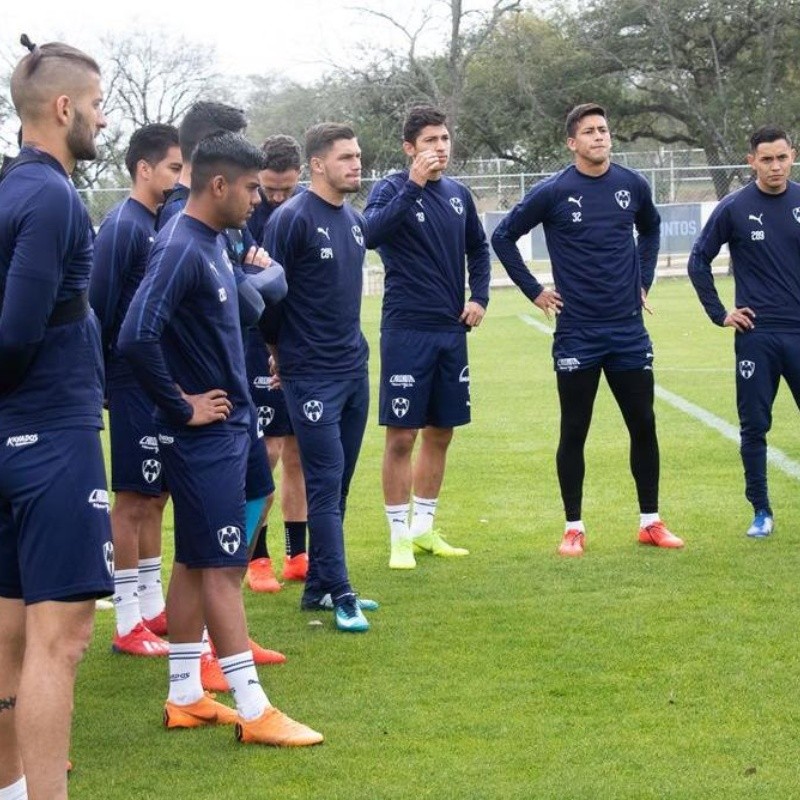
(140, 642)
(296, 567)
(157, 625)
(260, 577)
(211, 675)
(572, 543)
(658, 536)
(263, 656)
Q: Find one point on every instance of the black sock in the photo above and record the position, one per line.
(295, 533)
(260, 550)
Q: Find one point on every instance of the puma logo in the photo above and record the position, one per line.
(756, 218)
(324, 232)
(576, 200)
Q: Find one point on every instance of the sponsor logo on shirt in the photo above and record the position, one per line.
(358, 235)
(229, 538)
(400, 406)
(747, 369)
(457, 205)
(623, 198)
(151, 470)
(324, 232)
(568, 364)
(98, 498)
(24, 440)
(164, 439)
(313, 410)
(148, 443)
(406, 381)
(756, 218)
(576, 200)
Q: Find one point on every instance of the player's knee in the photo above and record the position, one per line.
(137, 509)
(400, 442)
(439, 438)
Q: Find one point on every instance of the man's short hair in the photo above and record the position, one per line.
(150, 143)
(227, 154)
(282, 152)
(420, 117)
(766, 134)
(578, 113)
(320, 138)
(47, 70)
(206, 118)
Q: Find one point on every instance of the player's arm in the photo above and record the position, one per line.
(479, 266)
(648, 226)
(717, 231)
(387, 207)
(521, 220)
(32, 282)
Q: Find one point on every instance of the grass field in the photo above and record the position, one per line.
(630, 673)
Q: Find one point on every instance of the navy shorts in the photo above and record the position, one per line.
(206, 473)
(614, 348)
(424, 379)
(55, 531)
(258, 479)
(135, 462)
(273, 418)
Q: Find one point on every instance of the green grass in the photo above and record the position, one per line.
(630, 673)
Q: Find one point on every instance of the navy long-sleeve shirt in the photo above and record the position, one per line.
(321, 247)
(45, 259)
(599, 269)
(424, 236)
(182, 327)
(121, 249)
(258, 220)
(763, 234)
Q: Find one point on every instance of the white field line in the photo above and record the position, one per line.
(777, 458)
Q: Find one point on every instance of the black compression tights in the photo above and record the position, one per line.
(633, 391)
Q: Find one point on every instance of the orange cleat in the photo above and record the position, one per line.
(157, 625)
(260, 577)
(263, 656)
(140, 642)
(658, 536)
(211, 675)
(205, 711)
(296, 567)
(275, 728)
(572, 543)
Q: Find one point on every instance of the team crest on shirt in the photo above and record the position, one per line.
(313, 410)
(400, 406)
(229, 538)
(358, 235)
(457, 205)
(623, 198)
(108, 557)
(796, 214)
(265, 416)
(746, 369)
(151, 470)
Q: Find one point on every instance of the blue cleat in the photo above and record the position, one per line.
(325, 603)
(348, 615)
(762, 526)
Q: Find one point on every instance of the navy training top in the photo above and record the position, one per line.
(763, 234)
(322, 248)
(423, 236)
(45, 258)
(599, 269)
(258, 220)
(182, 327)
(121, 249)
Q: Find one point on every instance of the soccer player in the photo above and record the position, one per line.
(426, 229)
(589, 212)
(761, 225)
(183, 338)
(321, 354)
(56, 555)
(204, 119)
(153, 160)
(279, 181)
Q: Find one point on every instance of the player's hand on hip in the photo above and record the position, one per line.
(644, 302)
(549, 300)
(472, 314)
(424, 167)
(741, 319)
(209, 407)
(258, 257)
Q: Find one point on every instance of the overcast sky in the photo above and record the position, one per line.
(296, 38)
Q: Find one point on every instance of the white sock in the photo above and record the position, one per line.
(16, 791)
(206, 641)
(184, 673)
(151, 593)
(398, 521)
(645, 520)
(126, 600)
(577, 525)
(422, 520)
(251, 700)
